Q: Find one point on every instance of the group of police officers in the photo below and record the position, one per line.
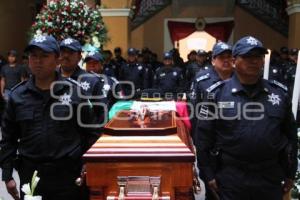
(242, 126)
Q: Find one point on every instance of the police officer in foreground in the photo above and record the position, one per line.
(169, 79)
(41, 128)
(246, 139)
(94, 65)
(135, 73)
(222, 69)
(92, 88)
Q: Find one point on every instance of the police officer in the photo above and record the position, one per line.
(110, 66)
(277, 68)
(193, 68)
(169, 79)
(291, 70)
(92, 87)
(247, 140)
(135, 73)
(222, 69)
(40, 129)
(94, 65)
(142, 59)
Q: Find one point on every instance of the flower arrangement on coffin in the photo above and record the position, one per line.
(71, 18)
(29, 188)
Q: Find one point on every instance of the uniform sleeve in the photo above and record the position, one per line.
(9, 141)
(290, 128)
(205, 139)
(2, 72)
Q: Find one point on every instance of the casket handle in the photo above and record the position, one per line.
(155, 184)
(122, 181)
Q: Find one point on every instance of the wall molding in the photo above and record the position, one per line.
(294, 8)
(115, 12)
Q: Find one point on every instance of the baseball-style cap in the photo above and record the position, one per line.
(294, 51)
(72, 44)
(94, 56)
(12, 53)
(219, 48)
(45, 42)
(168, 55)
(201, 52)
(246, 44)
(132, 51)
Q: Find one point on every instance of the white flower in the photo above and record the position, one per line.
(26, 189)
(66, 3)
(35, 182)
(38, 32)
(97, 44)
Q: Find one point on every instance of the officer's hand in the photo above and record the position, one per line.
(213, 185)
(11, 187)
(288, 185)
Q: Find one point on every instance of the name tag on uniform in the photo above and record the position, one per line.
(226, 104)
(162, 75)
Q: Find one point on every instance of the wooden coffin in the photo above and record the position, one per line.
(141, 166)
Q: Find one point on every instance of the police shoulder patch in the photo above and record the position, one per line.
(215, 86)
(18, 85)
(274, 82)
(203, 77)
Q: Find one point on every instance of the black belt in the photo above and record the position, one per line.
(228, 160)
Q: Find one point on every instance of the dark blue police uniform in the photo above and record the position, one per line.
(203, 80)
(169, 79)
(135, 73)
(247, 138)
(41, 129)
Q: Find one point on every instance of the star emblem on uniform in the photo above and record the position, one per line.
(193, 95)
(85, 85)
(140, 67)
(252, 41)
(224, 46)
(175, 73)
(40, 38)
(106, 87)
(274, 99)
(65, 99)
(68, 41)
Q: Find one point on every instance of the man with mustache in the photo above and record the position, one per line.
(249, 131)
(70, 56)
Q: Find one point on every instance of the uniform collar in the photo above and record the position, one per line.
(78, 71)
(213, 74)
(237, 87)
(57, 87)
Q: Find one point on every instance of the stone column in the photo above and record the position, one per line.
(116, 18)
(293, 11)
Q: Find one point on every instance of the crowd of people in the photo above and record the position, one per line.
(53, 111)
